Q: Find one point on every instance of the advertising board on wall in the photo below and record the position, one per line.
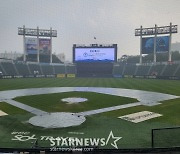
(44, 46)
(31, 45)
(162, 44)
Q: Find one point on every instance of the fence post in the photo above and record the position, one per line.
(152, 138)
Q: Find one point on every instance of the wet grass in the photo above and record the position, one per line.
(53, 103)
(133, 135)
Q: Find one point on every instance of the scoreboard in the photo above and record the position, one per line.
(96, 53)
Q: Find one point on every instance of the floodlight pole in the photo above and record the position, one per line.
(24, 44)
(155, 41)
(51, 45)
(140, 60)
(38, 44)
(170, 37)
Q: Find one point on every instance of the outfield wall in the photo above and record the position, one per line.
(153, 77)
(74, 76)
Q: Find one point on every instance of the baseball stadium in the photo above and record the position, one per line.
(98, 103)
(102, 104)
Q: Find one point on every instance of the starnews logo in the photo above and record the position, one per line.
(75, 142)
(71, 141)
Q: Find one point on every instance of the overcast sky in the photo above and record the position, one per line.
(78, 21)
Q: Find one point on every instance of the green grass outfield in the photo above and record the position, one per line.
(96, 126)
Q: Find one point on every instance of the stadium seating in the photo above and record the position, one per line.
(47, 69)
(9, 68)
(130, 69)
(118, 69)
(178, 71)
(2, 70)
(59, 69)
(34, 67)
(22, 69)
(170, 69)
(156, 70)
(142, 70)
(85, 70)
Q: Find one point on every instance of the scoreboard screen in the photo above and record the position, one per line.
(95, 54)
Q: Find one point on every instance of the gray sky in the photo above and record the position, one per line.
(78, 21)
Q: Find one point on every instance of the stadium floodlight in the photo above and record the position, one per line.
(156, 31)
(37, 33)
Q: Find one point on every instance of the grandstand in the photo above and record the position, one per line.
(59, 69)
(9, 68)
(157, 70)
(35, 67)
(163, 70)
(47, 69)
(142, 70)
(22, 69)
(170, 70)
(118, 70)
(177, 72)
(1, 69)
(130, 69)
